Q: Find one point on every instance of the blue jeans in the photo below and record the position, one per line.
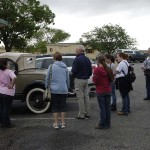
(125, 103)
(147, 85)
(5, 108)
(104, 101)
(113, 93)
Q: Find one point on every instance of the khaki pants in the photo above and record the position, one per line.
(81, 88)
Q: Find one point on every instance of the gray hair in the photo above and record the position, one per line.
(148, 48)
(81, 47)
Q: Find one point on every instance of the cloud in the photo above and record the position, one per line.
(98, 7)
(80, 16)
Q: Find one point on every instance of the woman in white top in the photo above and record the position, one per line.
(124, 87)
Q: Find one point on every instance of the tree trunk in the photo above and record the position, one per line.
(7, 48)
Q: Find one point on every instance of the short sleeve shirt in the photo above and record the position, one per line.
(147, 63)
(5, 80)
(123, 66)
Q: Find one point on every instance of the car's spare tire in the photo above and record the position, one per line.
(34, 100)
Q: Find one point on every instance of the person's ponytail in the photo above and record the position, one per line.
(109, 72)
(101, 60)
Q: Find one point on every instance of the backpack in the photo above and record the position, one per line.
(130, 76)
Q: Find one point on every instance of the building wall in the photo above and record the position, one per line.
(67, 48)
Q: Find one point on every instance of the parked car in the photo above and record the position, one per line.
(134, 55)
(30, 83)
(43, 62)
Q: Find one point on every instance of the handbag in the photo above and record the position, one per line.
(47, 92)
(47, 95)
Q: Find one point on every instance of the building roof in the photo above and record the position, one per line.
(61, 44)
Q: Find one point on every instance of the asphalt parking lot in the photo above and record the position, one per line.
(35, 131)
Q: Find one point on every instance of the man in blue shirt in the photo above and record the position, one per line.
(82, 70)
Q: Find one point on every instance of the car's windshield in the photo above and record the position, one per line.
(11, 65)
(128, 52)
(45, 62)
(139, 53)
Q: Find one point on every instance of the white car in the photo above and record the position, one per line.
(43, 62)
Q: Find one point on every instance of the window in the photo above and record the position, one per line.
(64, 61)
(89, 51)
(70, 62)
(39, 63)
(128, 52)
(11, 65)
(138, 53)
(119, 51)
(46, 63)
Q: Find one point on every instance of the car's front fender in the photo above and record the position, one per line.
(33, 84)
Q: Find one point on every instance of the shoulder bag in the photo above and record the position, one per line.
(47, 92)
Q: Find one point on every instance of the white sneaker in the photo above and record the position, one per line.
(55, 126)
(62, 125)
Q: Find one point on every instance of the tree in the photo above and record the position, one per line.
(56, 35)
(107, 39)
(44, 36)
(25, 17)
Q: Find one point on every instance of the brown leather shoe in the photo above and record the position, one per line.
(99, 127)
(122, 113)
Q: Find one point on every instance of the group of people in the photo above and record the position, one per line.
(59, 85)
(106, 76)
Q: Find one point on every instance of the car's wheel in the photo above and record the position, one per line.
(34, 100)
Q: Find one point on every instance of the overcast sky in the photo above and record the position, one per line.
(79, 16)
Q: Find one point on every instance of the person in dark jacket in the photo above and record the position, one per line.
(82, 70)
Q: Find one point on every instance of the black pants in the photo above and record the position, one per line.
(147, 77)
(71, 82)
(58, 102)
(5, 108)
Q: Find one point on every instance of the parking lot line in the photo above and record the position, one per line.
(39, 118)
